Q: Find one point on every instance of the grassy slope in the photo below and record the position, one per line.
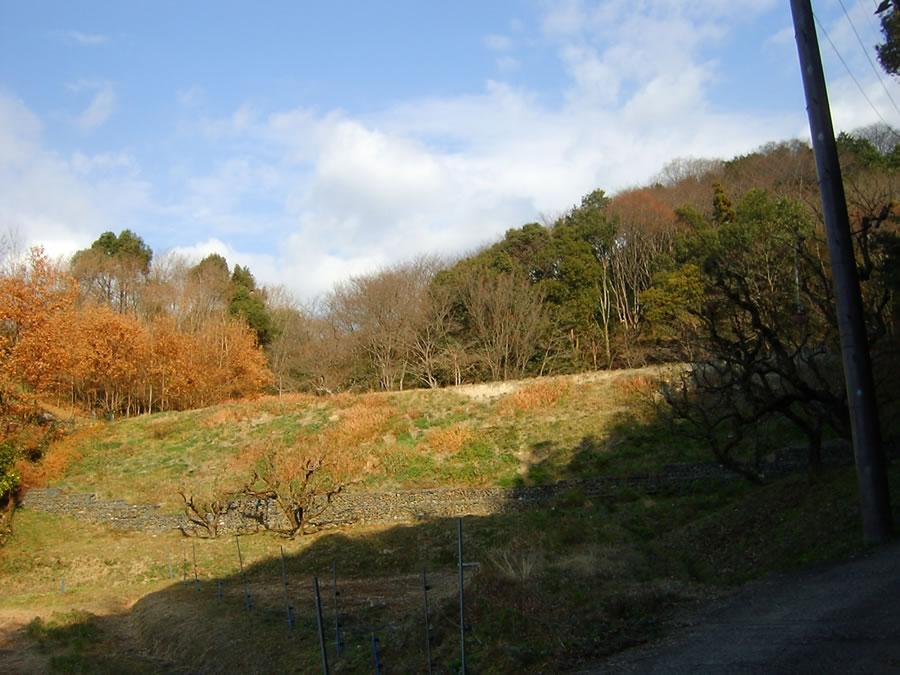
(554, 587)
(465, 436)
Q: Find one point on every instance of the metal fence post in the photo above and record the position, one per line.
(462, 602)
(427, 588)
(321, 626)
(237, 541)
(463, 626)
(287, 602)
(337, 619)
(375, 653)
(196, 577)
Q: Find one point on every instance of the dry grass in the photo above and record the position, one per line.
(636, 385)
(408, 439)
(639, 393)
(293, 400)
(228, 414)
(362, 422)
(554, 587)
(518, 565)
(603, 561)
(446, 441)
(162, 427)
(55, 462)
(540, 393)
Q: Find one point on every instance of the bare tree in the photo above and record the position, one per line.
(380, 312)
(687, 168)
(508, 319)
(290, 332)
(301, 481)
(883, 137)
(431, 345)
(646, 229)
(204, 511)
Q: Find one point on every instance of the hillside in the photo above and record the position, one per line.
(493, 434)
(555, 587)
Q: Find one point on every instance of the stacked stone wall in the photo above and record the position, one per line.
(251, 515)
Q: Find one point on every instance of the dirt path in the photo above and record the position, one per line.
(843, 618)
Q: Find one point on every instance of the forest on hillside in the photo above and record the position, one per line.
(617, 281)
(716, 262)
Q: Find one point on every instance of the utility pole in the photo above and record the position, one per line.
(867, 447)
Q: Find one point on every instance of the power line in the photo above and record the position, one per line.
(853, 77)
(869, 58)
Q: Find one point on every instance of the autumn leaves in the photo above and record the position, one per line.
(94, 357)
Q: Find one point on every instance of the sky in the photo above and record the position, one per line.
(316, 141)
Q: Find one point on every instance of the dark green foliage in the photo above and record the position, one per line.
(9, 475)
(244, 299)
(764, 339)
(889, 50)
(213, 268)
(723, 212)
(250, 306)
(113, 269)
(858, 151)
(241, 276)
(126, 245)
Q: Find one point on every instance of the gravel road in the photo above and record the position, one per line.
(842, 618)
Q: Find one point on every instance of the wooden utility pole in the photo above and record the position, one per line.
(870, 460)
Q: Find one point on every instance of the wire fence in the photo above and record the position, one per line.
(306, 608)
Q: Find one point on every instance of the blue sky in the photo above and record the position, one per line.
(315, 141)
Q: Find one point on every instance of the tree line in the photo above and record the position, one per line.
(615, 281)
(711, 253)
(99, 336)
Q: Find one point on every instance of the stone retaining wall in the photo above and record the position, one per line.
(251, 515)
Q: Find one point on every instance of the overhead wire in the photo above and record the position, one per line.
(853, 77)
(868, 57)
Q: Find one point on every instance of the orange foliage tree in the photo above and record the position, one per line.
(32, 296)
(113, 361)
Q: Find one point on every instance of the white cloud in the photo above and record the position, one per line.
(784, 36)
(106, 161)
(564, 18)
(190, 97)
(507, 64)
(80, 38)
(60, 203)
(593, 77)
(498, 43)
(239, 122)
(447, 174)
(259, 264)
(309, 198)
(101, 107)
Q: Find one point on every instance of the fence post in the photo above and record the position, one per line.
(463, 626)
(287, 602)
(375, 653)
(462, 602)
(196, 578)
(427, 588)
(321, 626)
(237, 541)
(337, 620)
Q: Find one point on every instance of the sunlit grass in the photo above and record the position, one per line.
(412, 439)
